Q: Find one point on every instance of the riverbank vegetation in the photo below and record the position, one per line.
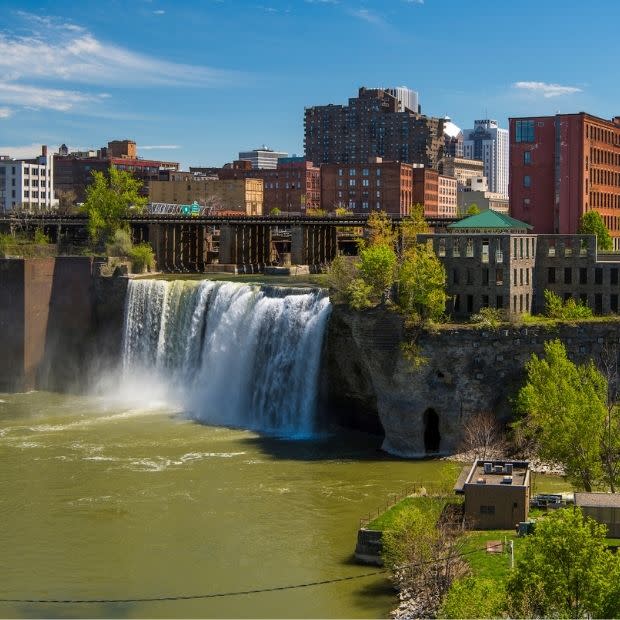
(21, 245)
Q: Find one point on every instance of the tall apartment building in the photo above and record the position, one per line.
(371, 125)
(447, 203)
(426, 190)
(73, 171)
(262, 158)
(563, 166)
(243, 196)
(293, 186)
(453, 139)
(488, 142)
(376, 185)
(27, 183)
(407, 98)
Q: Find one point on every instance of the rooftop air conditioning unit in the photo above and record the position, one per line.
(508, 468)
(507, 480)
(481, 481)
(488, 468)
(498, 469)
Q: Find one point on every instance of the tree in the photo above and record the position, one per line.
(340, 275)
(481, 434)
(109, 201)
(422, 284)
(474, 209)
(610, 445)
(275, 211)
(66, 201)
(568, 310)
(380, 230)
(591, 223)
(565, 408)
(411, 226)
(565, 570)
(423, 554)
(474, 598)
(377, 267)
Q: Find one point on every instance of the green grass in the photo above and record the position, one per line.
(430, 505)
(494, 566)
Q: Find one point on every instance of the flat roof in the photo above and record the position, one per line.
(605, 500)
(520, 470)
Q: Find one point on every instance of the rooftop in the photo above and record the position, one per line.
(496, 473)
(606, 500)
(490, 220)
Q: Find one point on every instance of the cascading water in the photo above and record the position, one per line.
(236, 354)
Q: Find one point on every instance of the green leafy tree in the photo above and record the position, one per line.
(422, 284)
(40, 237)
(555, 308)
(359, 294)
(109, 201)
(565, 408)
(380, 230)
(340, 275)
(377, 267)
(473, 209)
(120, 244)
(565, 571)
(474, 598)
(413, 225)
(142, 257)
(591, 223)
(275, 211)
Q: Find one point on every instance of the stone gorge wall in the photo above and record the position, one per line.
(468, 370)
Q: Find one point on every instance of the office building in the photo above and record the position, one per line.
(563, 166)
(407, 98)
(371, 125)
(262, 158)
(27, 183)
(489, 142)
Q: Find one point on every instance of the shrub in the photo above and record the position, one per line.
(359, 294)
(40, 237)
(568, 310)
(275, 211)
(142, 258)
(120, 244)
(488, 317)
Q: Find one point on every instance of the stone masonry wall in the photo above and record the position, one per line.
(467, 370)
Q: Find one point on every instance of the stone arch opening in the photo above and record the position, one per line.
(432, 436)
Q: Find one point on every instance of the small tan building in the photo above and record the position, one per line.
(604, 508)
(243, 195)
(497, 494)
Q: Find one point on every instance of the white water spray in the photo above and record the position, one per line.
(236, 354)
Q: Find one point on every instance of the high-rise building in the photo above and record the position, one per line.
(489, 142)
(262, 158)
(371, 125)
(563, 166)
(407, 98)
(27, 183)
(453, 138)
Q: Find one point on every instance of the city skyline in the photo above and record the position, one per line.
(243, 74)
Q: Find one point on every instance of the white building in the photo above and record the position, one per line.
(27, 183)
(262, 158)
(488, 142)
(407, 98)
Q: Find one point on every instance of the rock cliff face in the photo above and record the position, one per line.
(467, 370)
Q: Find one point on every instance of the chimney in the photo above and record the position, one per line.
(616, 121)
(44, 150)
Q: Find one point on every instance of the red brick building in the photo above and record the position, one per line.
(383, 185)
(293, 187)
(426, 190)
(562, 166)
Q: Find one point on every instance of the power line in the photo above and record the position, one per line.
(188, 597)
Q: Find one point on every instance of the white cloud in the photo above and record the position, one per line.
(415, 1)
(5, 112)
(159, 12)
(21, 152)
(367, 16)
(160, 147)
(547, 90)
(64, 51)
(61, 100)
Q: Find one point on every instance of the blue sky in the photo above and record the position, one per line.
(196, 82)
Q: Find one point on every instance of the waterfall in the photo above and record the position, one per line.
(235, 354)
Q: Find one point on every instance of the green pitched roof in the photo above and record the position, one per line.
(489, 219)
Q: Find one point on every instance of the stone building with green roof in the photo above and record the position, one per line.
(493, 260)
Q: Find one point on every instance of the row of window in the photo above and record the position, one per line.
(351, 193)
(603, 135)
(365, 172)
(604, 199)
(524, 131)
(583, 275)
(604, 177)
(522, 247)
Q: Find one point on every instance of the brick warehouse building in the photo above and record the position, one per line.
(563, 166)
(372, 125)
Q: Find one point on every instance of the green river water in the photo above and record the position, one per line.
(106, 502)
(99, 501)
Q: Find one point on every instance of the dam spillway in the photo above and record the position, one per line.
(234, 354)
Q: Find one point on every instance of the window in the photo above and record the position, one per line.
(456, 248)
(485, 250)
(598, 275)
(614, 275)
(527, 157)
(340, 172)
(351, 182)
(527, 276)
(568, 275)
(340, 183)
(499, 276)
(442, 247)
(378, 172)
(598, 303)
(365, 182)
(551, 275)
(613, 302)
(485, 276)
(457, 303)
(524, 131)
(365, 172)
(583, 275)
(487, 510)
(499, 302)
(485, 301)
(469, 248)
(470, 303)
(521, 277)
(365, 204)
(351, 172)
(527, 181)
(470, 277)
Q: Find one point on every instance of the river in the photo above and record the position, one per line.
(100, 500)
